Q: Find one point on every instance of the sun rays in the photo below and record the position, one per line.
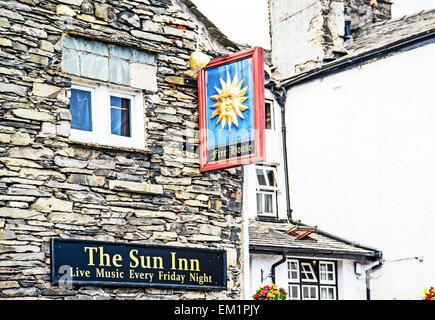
(229, 102)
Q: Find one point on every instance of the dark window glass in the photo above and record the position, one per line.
(81, 110)
(120, 116)
(268, 115)
(261, 178)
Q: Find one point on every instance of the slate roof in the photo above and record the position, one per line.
(390, 31)
(270, 237)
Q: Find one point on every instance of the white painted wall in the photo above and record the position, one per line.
(274, 156)
(361, 147)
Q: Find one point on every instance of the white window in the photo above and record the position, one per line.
(267, 188)
(293, 292)
(311, 279)
(107, 115)
(327, 293)
(309, 292)
(327, 272)
(307, 272)
(269, 116)
(293, 270)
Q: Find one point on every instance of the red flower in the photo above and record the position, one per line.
(257, 296)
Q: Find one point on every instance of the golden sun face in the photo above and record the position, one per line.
(229, 102)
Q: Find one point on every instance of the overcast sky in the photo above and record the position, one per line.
(246, 21)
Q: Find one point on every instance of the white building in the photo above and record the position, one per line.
(309, 263)
(359, 118)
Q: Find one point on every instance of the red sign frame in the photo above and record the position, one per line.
(257, 55)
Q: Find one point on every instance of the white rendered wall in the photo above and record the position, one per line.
(274, 156)
(361, 147)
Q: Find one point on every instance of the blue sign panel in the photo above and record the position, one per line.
(235, 78)
(231, 110)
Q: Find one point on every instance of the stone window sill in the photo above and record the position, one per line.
(103, 146)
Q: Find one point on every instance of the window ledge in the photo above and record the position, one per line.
(269, 219)
(103, 146)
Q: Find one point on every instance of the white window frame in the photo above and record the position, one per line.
(309, 287)
(305, 272)
(289, 270)
(334, 290)
(304, 267)
(263, 209)
(272, 114)
(298, 290)
(326, 263)
(101, 113)
(267, 189)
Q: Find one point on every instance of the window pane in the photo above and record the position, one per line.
(327, 272)
(268, 115)
(293, 292)
(271, 178)
(327, 293)
(331, 294)
(309, 292)
(120, 116)
(268, 203)
(305, 293)
(261, 178)
(81, 110)
(307, 272)
(293, 270)
(323, 293)
(259, 202)
(313, 292)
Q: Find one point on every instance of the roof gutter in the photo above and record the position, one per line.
(360, 58)
(352, 243)
(358, 256)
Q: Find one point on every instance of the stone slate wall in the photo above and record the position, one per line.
(53, 187)
(362, 14)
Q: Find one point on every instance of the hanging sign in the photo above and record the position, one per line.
(84, 262)
(231, 110)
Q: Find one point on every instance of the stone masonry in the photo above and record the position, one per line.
(306, 34)
(51, 186)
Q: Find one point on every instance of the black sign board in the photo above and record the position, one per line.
(84, 262)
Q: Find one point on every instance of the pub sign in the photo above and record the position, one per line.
(231, 110)
(86, 262)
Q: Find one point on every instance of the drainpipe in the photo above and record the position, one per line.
(281, 97)
(373, 267)
(272, 271)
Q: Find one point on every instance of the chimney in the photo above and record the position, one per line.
(363, 12)
(307, 33)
